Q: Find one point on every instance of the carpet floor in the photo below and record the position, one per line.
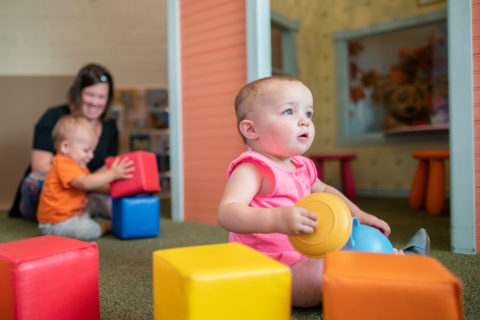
(125, 273)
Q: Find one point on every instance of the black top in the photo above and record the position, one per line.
(42, 140)
(107, 144)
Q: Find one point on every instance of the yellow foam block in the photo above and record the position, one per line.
(220, 281)
(359, 285)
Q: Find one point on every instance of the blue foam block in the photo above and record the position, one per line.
(136, 217)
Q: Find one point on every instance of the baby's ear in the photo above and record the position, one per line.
(63, 147)
(247, 128)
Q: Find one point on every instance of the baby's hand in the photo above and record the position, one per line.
(122, 169)
(375, 222)
(295, 220)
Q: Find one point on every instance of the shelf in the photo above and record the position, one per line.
(162, 195)
(417, 130)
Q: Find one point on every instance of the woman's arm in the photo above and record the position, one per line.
(41, 160)
(235, 214)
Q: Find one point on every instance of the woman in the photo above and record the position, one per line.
(91, 95)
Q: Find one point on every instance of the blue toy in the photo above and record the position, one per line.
(136, 217)
(367, 239)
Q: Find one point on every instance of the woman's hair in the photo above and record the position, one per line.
(87, 76)
(69, 127)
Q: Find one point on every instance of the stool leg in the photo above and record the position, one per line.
(348, 182)
(319, 166)
(436, 188)
(419, 185)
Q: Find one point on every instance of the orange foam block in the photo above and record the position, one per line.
(49, 277)
(360, 285)
(145, 177)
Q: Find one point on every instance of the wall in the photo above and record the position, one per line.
(387, 169)
(44, 43)
(213, 58)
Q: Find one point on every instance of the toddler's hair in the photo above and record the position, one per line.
(68, 127)
(245, 99)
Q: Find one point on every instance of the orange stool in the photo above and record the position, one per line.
(375, 286)
(429, 181)
(348, 183)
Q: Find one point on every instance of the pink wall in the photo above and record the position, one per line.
(476, 111)
(213, 58)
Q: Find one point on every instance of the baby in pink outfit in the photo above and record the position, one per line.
(274, 117)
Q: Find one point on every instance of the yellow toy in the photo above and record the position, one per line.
(220, 281)
(334, 225)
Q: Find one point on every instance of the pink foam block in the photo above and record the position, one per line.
(49, 277)
(145, 177)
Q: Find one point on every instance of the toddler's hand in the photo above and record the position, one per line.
(122, 169)
(295, 220)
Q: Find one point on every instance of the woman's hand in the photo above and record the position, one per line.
(294, 220)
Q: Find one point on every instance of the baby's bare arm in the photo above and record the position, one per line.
(235, 214)
(362, 216)
(120, 169)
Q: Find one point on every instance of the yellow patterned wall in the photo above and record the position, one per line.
(388, 167)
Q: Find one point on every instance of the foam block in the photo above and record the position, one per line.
(220, 281)
(49, 277)
(136, 217)
(360, 285)
(145, 177)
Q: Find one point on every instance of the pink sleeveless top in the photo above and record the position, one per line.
(289, 186)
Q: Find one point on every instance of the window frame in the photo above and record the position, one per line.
(289, 28)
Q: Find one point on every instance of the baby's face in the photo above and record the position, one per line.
(80, 148)
(283, 119)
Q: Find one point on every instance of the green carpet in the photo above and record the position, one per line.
(126, 265)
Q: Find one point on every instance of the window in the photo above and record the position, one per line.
(284, 45)
(405, 60)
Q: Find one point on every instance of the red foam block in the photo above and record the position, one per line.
(145, 177)
(49, 277)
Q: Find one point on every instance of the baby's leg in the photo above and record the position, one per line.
(307, 279)
(99, 206)
(77, 227)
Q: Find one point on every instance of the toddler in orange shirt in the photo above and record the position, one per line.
(64, 209)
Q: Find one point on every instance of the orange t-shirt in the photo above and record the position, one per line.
(59, 200)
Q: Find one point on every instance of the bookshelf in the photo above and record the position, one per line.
(142, 115)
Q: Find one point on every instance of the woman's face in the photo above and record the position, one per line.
(94, 100)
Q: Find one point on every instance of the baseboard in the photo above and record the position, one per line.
(390, 193)
(5, 207)
(384, 193)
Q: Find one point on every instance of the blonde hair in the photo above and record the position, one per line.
(246, 97)
(69, 127)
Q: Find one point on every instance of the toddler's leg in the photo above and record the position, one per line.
(30, 194)
(99, 206)
(307, 279)
(419, 244)
(78, 227)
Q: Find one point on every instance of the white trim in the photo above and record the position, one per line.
(462, 168)
(259, 48)
(175, 102)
